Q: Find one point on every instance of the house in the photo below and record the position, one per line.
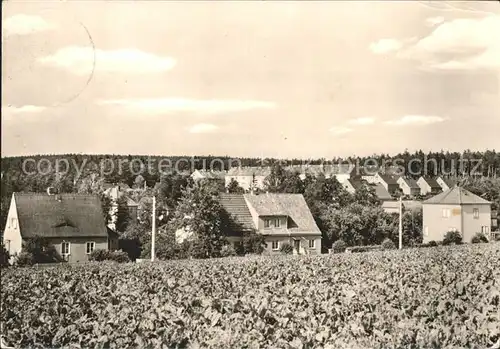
(281, 218)
(389, 182)
(428, 185)
(114, 193)
(248, 177)
(198, 175)
(73, 223)
(408, 186)
(341, 172)
(391, 206)
(365, 173)
(351, 185)
(446, 183)
(381, 192)
(456, 209)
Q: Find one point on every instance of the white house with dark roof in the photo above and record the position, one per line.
(456, 209)
(389, 182)
(281, 218)
(198, 175)
(428, 185)
(408, 186)
(446, 183)
(73, 223)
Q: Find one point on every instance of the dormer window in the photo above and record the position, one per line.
(272, 223)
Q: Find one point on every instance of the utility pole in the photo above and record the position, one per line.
(153, 231)
(400, 223)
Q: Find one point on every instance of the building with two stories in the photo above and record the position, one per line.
(456, 210)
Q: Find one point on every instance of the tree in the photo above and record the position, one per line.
(200, 213)
(273, 183)
(41, 250)
(233, 187)
(122, 215)
(106, 205)
(365, 195)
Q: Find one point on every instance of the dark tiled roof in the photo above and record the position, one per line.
(292, 205)
(388, 179)
(381, 192)
(411, 182)
(236, 207)
(456, 196)
(355, 183)
(432, 182)
(450, 182)
(61, 215)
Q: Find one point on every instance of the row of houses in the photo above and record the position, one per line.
(74, 223)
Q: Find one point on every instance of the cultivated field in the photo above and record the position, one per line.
(441, 297)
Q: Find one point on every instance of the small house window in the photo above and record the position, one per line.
(446, 213)
(275, 245)
(426, 231)
(13, 223)
(267, 223)
(485, 229)
(65, 248)
(312, 243)
(277, 223)
(89, 247)
(476, 213)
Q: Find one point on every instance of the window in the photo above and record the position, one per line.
(426, 231)
(485, 229)
(312, 243)
(476, 213)
(277, 223)
(446, 213)
(13, 223)
(272, 223)
(267, 223)
(65, 248)
(89, 248)
(275, 245)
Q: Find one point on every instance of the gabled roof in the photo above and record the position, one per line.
(240, 218)
(449, 182)
(388, 179)
(61, 215)
(432, 182)
(355, 183)
(410, 182)
(457, 196)
(293, 206)
(249, 171)
(381, 192)
(211, 174)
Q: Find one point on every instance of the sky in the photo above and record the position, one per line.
(255, 78)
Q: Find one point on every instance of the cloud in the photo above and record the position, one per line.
(25, 24)
(203, 128)
(11, 112)
(433, 21)
(362, 121)
(173, 105)
(82, 60)
(416, 120)
(469, 41)
(339, 131)
(385, 46)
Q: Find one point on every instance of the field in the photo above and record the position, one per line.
(440, 297)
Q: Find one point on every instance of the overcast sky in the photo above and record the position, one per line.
(286, 79)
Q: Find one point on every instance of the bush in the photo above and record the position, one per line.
(286, 248)
(339, 246)
(388, 244)
(432, 243)
(479, 238)
(4, 256)
(252, 242)
(452, 238)
(41, 250)
(359, 249)
(227, 251)
(24, 259)
(105, 255)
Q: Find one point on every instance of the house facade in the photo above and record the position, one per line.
(408, 186)
(281, 218)
(73, 223)
(198, 175)
(445, 183)
(456, 210)
(248, 177)
(390, 184)
(428, 185)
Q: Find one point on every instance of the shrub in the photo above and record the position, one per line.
(24, 259)
(479, 238)
(286, 248)
(227, 251)
(432, 243)
(252, 242)
(359, 249)
(452, 237)
(4, 256)
(105, 255)
(41, 250)
(339, 246)
(388, 244)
